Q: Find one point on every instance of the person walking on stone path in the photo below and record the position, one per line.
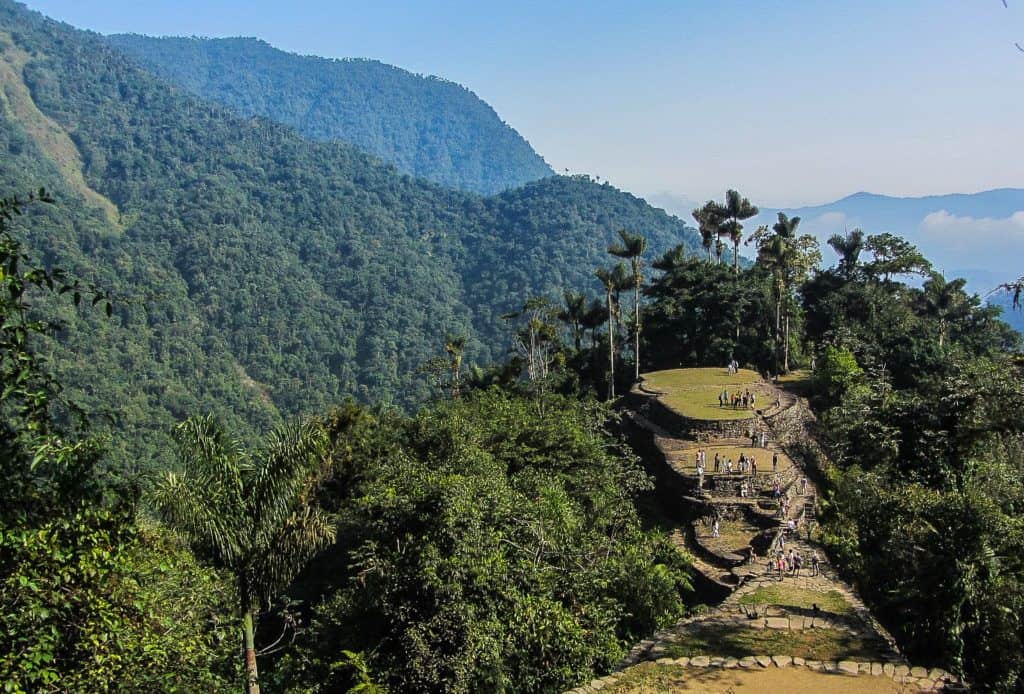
(798, 563)
(718, 462)
(803, 486)
(752, 435)
(814, 563)
(775, 462)
(714, 528)
(764, 439)
(753, 468)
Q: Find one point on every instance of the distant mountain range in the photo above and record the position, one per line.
(977, 236)
(259, 273)
(427, 127)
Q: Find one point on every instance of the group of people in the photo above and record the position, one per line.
(792, 563)
(736, 400)
(746, 464)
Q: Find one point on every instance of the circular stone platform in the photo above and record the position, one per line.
(693, 393)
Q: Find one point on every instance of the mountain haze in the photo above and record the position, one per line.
(426, 126)
(261, 274)
(977, 236)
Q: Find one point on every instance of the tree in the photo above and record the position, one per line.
(595, 316)
(607, 280)
(633, 247)
(573, 313)
(732, 213)
(707, 224)
(536, 342)
(894, 256)
(671, 260)
(849, 248)
(788, 260)
(1016, 288)
(455, 346)
(250, 515)
(944, 302)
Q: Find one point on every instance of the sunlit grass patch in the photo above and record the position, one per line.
(793, 596)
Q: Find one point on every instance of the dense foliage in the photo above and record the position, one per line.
(262, 275)
(426, 126)
(88, 600)
(488, 544)
(921, 400)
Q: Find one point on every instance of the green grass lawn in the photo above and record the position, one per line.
(673, 379)
(694, 393)
(702, 403)
(792, 596)
(734, 536)
(729, 640)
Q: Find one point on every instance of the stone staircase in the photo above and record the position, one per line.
(739, 584)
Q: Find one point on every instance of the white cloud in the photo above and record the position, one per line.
(976, 228)
(832, 220)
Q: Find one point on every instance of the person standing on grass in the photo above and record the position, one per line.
(775, 462)
(714, 528)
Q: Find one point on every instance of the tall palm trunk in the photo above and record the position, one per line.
(778, 328)
(636, 330)
(785, 348)
(252, 684)
(611, 347)
(736, 255)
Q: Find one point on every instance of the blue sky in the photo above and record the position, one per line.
(791, 102)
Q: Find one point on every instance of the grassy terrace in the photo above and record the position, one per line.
(734, 536)
(728, 640)
(793, 596)
(694, 392)
(687, 460)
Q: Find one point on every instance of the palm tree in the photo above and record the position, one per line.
(849, 248)
(944, 301)
(595, 316)
(735, 210)
(707, 224)
(573, 313)
(250, 515)
(671, 260)
(633, 247)
(608, 281)
(775, 254)
(455, 346)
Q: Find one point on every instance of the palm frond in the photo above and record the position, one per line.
(191, 511)
(291, 465)
(303, 534)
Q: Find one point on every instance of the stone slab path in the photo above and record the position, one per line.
(753, 586)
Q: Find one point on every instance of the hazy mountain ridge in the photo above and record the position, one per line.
(426, 126)
(977, 236)
(277, 275)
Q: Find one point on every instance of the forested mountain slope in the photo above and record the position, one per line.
(262, 274)
(425, 126)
